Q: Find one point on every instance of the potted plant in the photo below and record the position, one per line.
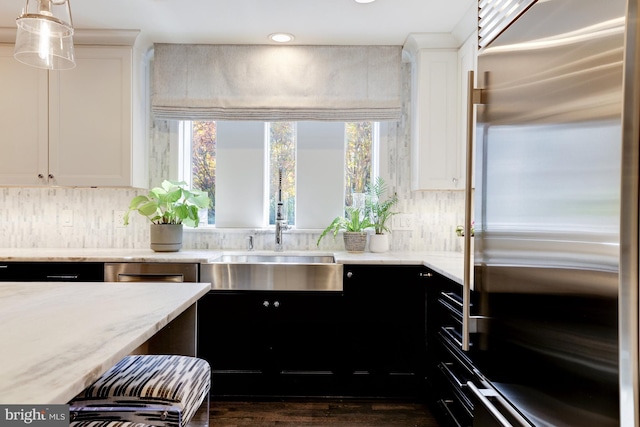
(380, 213)
(354, 224)
(168, 207)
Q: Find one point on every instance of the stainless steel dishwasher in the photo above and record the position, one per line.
(180, 335)
(150, 272)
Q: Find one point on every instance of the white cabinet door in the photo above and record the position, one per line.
(23, 122)
(71, 127)
(436, 151)
(90, 114)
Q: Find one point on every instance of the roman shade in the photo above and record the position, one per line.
(275, 83)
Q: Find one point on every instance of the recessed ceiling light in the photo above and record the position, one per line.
(365, 1)
(281, 37)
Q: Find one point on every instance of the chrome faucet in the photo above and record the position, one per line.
(281, 225)
(281, 222)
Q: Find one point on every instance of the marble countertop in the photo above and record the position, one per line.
(57, 338)
(449, 264)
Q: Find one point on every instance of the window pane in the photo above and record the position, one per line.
(203, 162)
(282, 154)
(358, 161)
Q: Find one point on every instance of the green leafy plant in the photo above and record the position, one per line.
(460, 230)
(171, 203)
(380, 210)
(354, 221)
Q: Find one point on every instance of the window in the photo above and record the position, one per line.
(359, 160)
(198, 159)
(282, 156)
(323, 165)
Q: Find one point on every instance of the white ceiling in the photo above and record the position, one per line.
(319, 22)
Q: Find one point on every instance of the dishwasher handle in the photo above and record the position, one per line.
(135, 277)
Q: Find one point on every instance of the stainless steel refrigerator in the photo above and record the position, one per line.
(555, 326)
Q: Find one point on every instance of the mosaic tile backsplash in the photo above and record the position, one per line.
(55, 217)
(90, 218)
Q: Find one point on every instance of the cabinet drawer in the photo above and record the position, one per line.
(51, 272)
(452, 349)
(454, 375)
(454, 416)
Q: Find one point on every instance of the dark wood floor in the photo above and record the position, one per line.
(334, 413)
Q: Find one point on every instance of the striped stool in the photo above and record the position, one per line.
(106, 424)
(157, 390)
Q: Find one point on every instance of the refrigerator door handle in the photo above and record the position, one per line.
(469, 323)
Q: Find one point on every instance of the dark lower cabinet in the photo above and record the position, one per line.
(386, 327)
(366, 341)
(449, 367)
(271, 343)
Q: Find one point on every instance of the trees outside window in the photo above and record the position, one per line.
(358, 160)
(282, 154)
(203, 162)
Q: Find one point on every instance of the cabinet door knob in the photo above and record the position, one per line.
(349, 274)
(265, 303)
(40, 176)
(426, 274)
(276, 304)
(50, 176)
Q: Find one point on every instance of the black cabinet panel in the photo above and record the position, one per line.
(264, 343)
(385, 325)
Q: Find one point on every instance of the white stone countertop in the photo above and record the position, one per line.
(57, 338)
(449, 264)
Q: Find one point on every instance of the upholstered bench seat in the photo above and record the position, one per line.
(157, 390)
(106, 424)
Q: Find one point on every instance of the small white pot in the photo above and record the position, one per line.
(165, 237)
(379, 242)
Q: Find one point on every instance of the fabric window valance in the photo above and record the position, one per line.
(275, 83)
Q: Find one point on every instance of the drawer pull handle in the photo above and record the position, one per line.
(484, 394)
(444, 367)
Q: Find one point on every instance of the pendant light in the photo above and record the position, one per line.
(44, 36)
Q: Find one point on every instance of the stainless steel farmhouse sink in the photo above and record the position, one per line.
(273, 272)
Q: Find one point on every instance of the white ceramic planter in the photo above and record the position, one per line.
(379, 242)
(165, 237)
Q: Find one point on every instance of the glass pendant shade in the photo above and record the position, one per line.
(44, 37)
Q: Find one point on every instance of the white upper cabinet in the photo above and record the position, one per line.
(90, 132)
(24, 121)
(71, 127)
(435, 152)
(438, 113)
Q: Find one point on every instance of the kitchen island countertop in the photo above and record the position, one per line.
(57, 338)
(449, 264)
